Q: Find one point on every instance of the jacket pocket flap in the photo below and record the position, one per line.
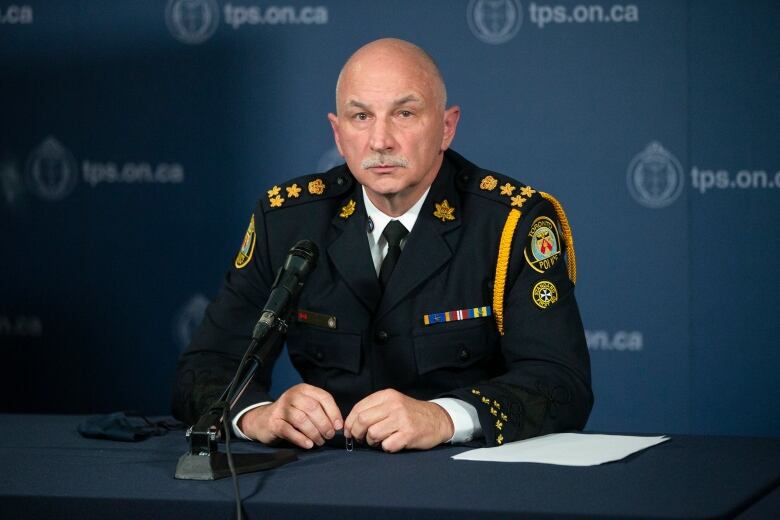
(325, 348)
(452, 348)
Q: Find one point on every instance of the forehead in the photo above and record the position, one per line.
(383, 78)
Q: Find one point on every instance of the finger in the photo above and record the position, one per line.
(379, 431)
(367, 418)
(395, 442)
(301, 422)
(365, 403)
(329, 405)
(316, 415)
(288, 432)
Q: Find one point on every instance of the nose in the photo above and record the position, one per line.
(382, 140)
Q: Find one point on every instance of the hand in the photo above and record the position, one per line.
(397, 421)
(304, 415)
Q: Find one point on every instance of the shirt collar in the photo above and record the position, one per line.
(381, 220)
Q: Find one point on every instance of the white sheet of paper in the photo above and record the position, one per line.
(565, 449)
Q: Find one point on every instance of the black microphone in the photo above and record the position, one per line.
(301, 259)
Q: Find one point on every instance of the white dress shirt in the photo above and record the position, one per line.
(464, 416)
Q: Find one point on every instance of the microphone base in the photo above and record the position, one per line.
(214, 466)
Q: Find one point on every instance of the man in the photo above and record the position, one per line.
(432, 316)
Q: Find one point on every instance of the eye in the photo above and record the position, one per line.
(360, 116)
(405, 113)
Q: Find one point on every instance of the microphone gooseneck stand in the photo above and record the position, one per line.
(203, 460)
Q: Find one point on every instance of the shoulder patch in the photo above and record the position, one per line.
(500, 188)
(247, 246)
(308, 188)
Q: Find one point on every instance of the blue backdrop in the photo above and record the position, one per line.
(135, 137)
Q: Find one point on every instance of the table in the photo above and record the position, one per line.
(49, 471)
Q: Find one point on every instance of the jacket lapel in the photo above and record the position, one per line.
(431, 242)
(349, 252)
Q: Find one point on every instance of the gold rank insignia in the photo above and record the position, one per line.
(247, 246)
(316, 187)
(348, 209)
(500, 439)
(444, 211)
(518, 201)
(273, 192)
(276, 202)
(499, 424)
(544, 294)
(488, 183)
(475, 391)
(294, 191)
(527, 191)
(507, 189)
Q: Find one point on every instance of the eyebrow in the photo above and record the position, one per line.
(411, 98)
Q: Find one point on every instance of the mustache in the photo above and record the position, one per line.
(384, 160)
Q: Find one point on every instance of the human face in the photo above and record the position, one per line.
(392, 129)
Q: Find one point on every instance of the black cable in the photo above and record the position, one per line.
(229, 455)
(227, 427)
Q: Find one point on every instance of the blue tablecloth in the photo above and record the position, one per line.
(49, 471)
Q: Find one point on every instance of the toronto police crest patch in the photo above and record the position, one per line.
(247, 246)
(543, 248)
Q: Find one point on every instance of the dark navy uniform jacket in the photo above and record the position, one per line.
(351, 339)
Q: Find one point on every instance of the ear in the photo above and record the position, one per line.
(451, 118)
(334, 124)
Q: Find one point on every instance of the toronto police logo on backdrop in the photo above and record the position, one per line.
(192, 21)
(330, 159)
(10, 183)
(655, 177)
(188, 319)
(494, 21)
(51, 170)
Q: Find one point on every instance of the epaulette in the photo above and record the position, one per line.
(520, 198)
(500, 188)
(308, 188)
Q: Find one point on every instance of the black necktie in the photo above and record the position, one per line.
(394, 232)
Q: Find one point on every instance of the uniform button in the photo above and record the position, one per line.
(339, 180)
(381, 337)
(464, 354)
(319, 355)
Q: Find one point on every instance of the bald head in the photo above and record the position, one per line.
(392, 125)
(390, 54)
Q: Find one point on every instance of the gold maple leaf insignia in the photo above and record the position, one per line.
(347, 210)
(273, 192)
(444, 211)
(276, 202)
(293, 191)
(507, 189)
